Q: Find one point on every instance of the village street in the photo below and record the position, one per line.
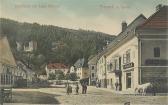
(94, 96)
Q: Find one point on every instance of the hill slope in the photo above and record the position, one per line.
(54, 44)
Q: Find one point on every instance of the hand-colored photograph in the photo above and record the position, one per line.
(83, 52)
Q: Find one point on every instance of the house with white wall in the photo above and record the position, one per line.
(81, 71)
(101, 69)
(72, 69)
(139, 54)
(52, 68)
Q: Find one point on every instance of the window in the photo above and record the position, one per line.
(156, 52)
(92, 67)
(111, 65)
(124, 58)
(116, 65)
(93, 75)
(127, 57)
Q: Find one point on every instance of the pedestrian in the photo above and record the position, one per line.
(69, 89)
(83, 87)
(77, 88)
(99, 84)
(116, 85)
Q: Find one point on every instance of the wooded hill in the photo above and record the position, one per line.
(54, 44)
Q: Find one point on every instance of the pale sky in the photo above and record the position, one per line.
(98, 15)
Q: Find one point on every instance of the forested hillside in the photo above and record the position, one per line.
(54, 44)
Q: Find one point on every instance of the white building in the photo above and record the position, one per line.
(81, 71)
(72, 69)
(101, 69)
(30, 46)
(52, 68)
(138, 55)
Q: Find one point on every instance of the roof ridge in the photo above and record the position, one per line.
(154, 14)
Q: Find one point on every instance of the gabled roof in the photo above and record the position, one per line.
(24, 67)
(93, 60)
(158, 20)
(57, 66)
(125, 35)
(6, 55)
(79, 63)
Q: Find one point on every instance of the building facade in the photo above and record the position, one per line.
(138, 55)
(101, 71)
(81, 71)
(92, 64)
(53, 68)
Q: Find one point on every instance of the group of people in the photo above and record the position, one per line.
(84, 88)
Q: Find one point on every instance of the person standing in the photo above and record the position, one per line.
(67, 89)
(83, 88)
(116, 85)
(77, 88)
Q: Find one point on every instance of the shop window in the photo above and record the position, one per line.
(156, 52)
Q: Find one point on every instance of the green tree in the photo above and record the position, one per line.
(59, 75)
(52, 76)
(73, 76)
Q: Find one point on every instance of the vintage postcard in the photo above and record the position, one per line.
(83, 52)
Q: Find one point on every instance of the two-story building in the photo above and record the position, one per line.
(153, 49)
(121, 56)
(53, 68)
(139, 54)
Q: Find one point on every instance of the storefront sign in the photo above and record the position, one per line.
(129, 65)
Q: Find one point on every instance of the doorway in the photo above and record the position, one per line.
(128, 80)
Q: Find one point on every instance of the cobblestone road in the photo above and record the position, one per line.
(94, 96)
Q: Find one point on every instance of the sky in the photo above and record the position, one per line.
(99, 15)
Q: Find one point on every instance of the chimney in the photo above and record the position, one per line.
(158, 7)
(124, 25)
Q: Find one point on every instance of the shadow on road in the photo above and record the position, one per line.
(32, 97)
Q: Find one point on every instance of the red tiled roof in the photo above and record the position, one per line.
(158, 20)
(57, 66)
